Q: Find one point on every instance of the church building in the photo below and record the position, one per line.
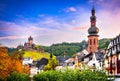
(94, 56)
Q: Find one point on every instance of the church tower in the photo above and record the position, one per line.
(93, 31)
(30, 40)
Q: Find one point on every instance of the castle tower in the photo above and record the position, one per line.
(93, 31)
(30, 40)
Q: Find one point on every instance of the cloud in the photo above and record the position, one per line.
(96, 1)
(81, 28)
(9, 37)
(71, 9)
(71, 28)
(108, 23)
(45, 31)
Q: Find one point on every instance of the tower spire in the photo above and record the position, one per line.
(84, 44)
(93, 17)
(93, 31)
(93, 11)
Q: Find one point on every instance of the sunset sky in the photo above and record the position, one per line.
(56, 21)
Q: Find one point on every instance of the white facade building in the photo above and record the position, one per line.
(27, 61)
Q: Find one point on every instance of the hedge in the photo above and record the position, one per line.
(18, 77)
(71, 75)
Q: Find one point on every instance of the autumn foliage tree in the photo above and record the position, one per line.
(9, 64)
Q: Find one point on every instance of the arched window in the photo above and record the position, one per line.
(90, 41)
(94, 41)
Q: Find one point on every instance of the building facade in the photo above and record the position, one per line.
(112, 57)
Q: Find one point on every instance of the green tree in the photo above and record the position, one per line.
(18, 77)
(52, 63)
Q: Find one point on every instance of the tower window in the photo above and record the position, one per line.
(90, 41)
(94, 41)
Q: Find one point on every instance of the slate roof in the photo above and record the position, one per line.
(82, 54)
(61, 59)
(88, 55)
(99, 55)
(81, 57)
(41, 63)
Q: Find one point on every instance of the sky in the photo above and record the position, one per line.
(56, 21)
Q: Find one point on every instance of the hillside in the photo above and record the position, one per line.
(36, 55)
(60, 48)
(103, 43)
(71, 48)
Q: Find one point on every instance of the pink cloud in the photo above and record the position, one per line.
(81, 28)
(13, 37)
(9, 37)
(71, 9)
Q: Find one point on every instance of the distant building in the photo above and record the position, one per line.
(112, 57)
(27, 45)
(27, 61)
(30, 46)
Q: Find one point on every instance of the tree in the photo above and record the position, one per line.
(5, 62)
(16, 64)
(18, 77)
(9, 64)
(52, 63)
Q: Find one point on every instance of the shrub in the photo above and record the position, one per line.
(71, 75)
(18, 77)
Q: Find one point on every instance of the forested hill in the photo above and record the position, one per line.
(72, 48)
(68, 48)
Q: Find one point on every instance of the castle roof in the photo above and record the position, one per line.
(30, 38)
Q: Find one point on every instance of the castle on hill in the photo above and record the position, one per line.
(30, 46)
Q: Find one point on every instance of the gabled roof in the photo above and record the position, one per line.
(82, 54)
(99, 55)
(80, 57)
(41, 62)
(85, 51)
(62, 58)
(69, 60)
(88, 55)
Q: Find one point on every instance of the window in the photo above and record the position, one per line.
(90, 41)
(94, 41)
